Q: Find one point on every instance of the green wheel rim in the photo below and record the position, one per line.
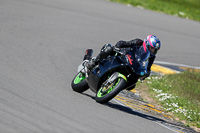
(100, 94)
(80, 77)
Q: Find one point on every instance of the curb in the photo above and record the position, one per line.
(132, 99)
(172, 68)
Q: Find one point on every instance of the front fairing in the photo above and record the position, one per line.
(101, 72)
(137, 59)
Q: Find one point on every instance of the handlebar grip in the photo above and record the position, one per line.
(117, 50)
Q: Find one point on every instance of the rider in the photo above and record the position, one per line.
(151, 43)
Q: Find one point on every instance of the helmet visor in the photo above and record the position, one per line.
(156, 51)
(152, 50)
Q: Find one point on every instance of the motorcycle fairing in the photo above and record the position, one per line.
(111, 64)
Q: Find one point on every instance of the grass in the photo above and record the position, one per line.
(189, 9)
(178, 94)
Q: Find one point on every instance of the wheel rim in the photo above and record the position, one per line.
(80, 77)
(103, 91)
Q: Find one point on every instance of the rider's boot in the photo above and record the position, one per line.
(105, 51)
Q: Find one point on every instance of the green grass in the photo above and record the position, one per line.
(183, 8)
(179, 94)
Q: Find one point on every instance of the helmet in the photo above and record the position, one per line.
(153, 44)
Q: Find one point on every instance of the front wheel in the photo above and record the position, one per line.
(79, 83)
(106, 93)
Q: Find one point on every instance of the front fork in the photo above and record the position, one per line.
(112, 80)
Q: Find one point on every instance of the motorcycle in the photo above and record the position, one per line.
(113, 74)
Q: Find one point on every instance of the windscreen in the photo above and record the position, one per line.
(139, 60)
(141, 55)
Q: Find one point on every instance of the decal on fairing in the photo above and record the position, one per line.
(129, 59)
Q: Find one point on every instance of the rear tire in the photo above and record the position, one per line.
(112, 91)
(79, 83)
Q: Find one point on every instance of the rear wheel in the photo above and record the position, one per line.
(79, 83)
(106, 93)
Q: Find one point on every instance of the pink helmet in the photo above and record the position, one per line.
(154, 42)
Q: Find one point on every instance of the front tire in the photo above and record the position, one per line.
(79, 83)
(112, 91)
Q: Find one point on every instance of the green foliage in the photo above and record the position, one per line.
(183, 8)
(179, 94)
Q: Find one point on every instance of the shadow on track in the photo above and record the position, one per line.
(172, 124)
(127, 110)
(131, 111)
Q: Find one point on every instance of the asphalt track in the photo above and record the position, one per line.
(42, 43)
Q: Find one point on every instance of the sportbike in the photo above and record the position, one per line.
(113, 74)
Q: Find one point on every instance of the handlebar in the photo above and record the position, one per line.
(117, 50)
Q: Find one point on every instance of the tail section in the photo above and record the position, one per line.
(88, 54)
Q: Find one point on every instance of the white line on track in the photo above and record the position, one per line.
(175, 64)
